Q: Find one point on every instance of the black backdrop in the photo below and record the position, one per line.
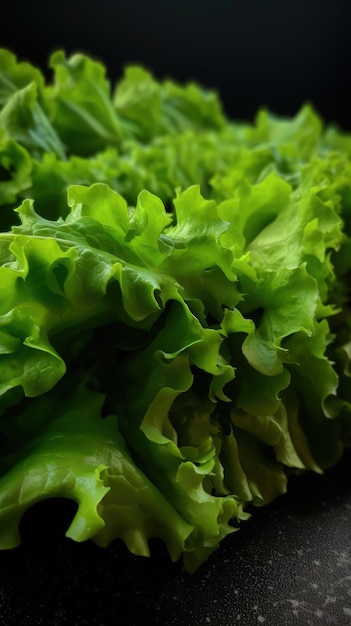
(273, 53)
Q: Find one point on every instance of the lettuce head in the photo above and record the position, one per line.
(175, 319)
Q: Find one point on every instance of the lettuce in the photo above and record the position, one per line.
(175, 322)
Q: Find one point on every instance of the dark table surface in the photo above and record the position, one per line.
(289, 564)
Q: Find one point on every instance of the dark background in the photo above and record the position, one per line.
(273, 53)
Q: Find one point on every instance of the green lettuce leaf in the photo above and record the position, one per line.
(74, 453)
(175, 321)
(80, 99)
